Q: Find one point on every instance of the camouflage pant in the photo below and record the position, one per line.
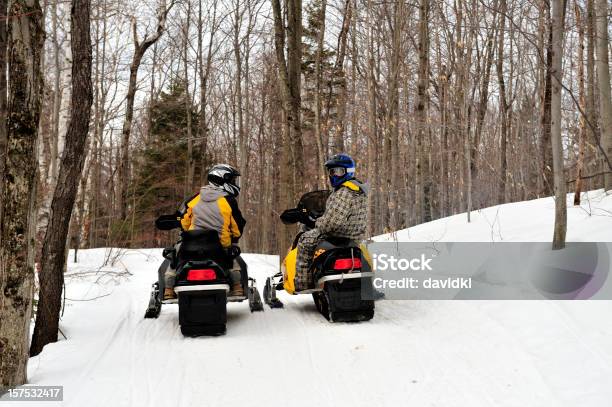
(307, 243)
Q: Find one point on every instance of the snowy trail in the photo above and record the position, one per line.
(452, 353)
(421, 353)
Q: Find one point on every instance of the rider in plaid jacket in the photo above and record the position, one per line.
(345, 216)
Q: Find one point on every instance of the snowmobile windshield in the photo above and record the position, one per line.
(314, 202)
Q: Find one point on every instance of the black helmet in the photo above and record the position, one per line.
(225, 176)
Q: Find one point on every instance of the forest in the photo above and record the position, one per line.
(112, 112)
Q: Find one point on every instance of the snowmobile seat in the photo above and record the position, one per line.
(203, 244)
(334, 242)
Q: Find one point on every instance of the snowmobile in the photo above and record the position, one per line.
(202, 281)
(341, 270)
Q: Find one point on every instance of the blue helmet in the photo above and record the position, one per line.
(341, 168)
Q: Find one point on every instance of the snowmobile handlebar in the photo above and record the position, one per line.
(295, 215)
(168, 222)
(310, 207)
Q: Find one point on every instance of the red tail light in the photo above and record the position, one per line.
(201, 274)
(347, 264)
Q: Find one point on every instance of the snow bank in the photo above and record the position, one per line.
(529, 221)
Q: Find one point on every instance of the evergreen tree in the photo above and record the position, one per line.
(328, 76)
(161, 166)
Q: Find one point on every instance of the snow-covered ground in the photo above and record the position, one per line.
(529, 221)
(418, 353)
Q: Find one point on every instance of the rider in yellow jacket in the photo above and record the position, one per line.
(214, 208)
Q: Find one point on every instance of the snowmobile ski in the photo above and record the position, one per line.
(255, 303)
(270, 297)
(155, 304)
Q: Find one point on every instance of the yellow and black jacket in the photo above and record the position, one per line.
(213, 209)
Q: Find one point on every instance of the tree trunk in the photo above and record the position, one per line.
(558, 15)
(372, 128)
(338, 137)
(603, 75)
(545, 141)
(139, 50)
(290, 83)
(25, 47)
(73, 159)
(503, 106)
(123, 172)
(3, 90)
(242, 138)
(188, 104)
(317, 96)
(391, 129)
(583, 126)
(423, 175)
(204, 73)
(482, 108)
(592, 132)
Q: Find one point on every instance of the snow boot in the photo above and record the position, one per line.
(237, 290)
(169, 294)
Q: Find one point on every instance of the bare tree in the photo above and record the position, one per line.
(583, 126)
(339, 128)
(3, 90)
(545, 117)
(25, 42)
(289, 69)
(204, 72)
(73, 159)
(140, 47)
(603, 75)
(321, 151)
(481, 110)
(503, 104)
(558, 17)
(191, 158)
(423, 179)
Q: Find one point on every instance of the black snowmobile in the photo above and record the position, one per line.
(342, 275)
(202, 281)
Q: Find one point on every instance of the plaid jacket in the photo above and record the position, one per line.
(345, 212)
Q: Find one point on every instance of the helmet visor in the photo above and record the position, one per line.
(235, 180)
(336, 171)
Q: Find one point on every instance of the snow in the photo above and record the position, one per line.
(529, 221)
(421, 353)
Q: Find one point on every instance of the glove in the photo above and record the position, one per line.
(233, 251)
(310, 221)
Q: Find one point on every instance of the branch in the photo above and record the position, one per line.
(135, 32)
(161, 26)
(589, 176)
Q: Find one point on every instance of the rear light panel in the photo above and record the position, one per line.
(347, 264)
(201, 275)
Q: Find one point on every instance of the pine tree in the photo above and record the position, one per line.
(162, 162)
